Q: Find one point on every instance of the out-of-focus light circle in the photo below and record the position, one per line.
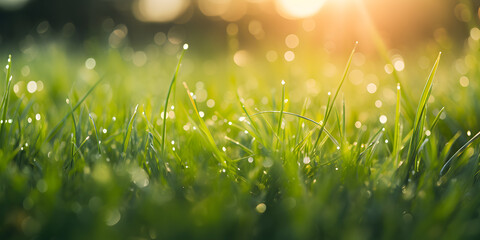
(241, 58)
(292, 9)
(271, 56)
(232, 29)
(213, 7)
(356, 76)
(90, 63)
(160, 38)
(159, 10)
(399, 65)
(371, 88)
(235, 11)
(139, 58)
(475, 33)
(388, 68)
(12, 4)
(32, 86)
(464, 81)
(289, 56)
(292, 41)
(176, 35)
(383, 119)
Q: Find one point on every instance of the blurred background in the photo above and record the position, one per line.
(241, 46)
(337, 23)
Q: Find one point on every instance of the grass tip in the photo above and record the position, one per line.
(283, 82)
(185, 46)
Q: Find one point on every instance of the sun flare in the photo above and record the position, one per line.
(292, 9)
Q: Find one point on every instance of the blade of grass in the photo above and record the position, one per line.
(59, 124)
(418, 123)
(330, 106)
(397, 137)
(128, 132)
(305, 118)
(457, 153)
(170, 90)
(78, 148)
(240, 145)
(344, 129)
(203, 127)
(280, 118)
(96, 132)
(6, 94)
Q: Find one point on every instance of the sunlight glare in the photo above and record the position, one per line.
(292, 9)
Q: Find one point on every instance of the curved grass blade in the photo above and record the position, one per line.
(397, 136)
(456, 154)
(96, 134)
(6, 94)
(330, 105)
(59, 124)
(126, 140)
(256, 131)
(280, 118)
(204, 129)
(305, 118)
(170, 90)
(240, 145)
(419, 120)
(437, 118)
(79, 147)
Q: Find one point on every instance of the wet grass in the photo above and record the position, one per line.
(125, 159)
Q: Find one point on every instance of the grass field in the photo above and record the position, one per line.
(323, 147)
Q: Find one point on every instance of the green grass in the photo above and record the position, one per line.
(125, 159)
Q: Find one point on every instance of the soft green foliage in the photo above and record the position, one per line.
(240, 169)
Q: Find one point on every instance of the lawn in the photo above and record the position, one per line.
(179, 141)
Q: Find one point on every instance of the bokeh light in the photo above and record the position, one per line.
(213, 7)
(12, 4)
(159, 10)
(292, 9)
